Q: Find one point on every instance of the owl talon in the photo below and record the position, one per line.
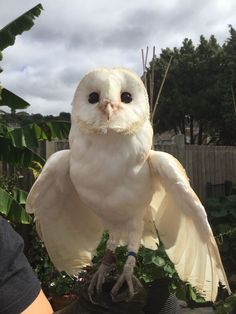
(95, 286)
(127, 276)
(133, 284)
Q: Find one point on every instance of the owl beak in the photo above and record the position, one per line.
(108, 111)
(108, 108)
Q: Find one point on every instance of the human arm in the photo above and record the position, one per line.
(20, 289)
(39, 306)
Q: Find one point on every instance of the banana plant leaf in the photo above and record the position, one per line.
(30, 135)
(11, 206)
(18, 26)
(3, 129)
(17, 144)
(11, 100)
(19, 156)
(20, 196)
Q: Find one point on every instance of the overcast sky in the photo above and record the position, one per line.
(72, 37)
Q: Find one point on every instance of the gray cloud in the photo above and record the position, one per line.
(70, 38)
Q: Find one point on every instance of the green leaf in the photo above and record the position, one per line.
(158, 261)
(59, 129)
(20, 196)
(30, 135)
(21, 156)
(26, 136)
(12, 209)
(226, 306)
(11, 100)
(148, 256)
(169, 269)
(18, 26)
(3, 129)
(193, 295)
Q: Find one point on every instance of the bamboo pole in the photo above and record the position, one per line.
(144, 61)
(151, 84)
(150, 89)
(160, 90)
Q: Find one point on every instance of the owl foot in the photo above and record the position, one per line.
(134, 286)
(98, 278)
(127, 276)
(95, 286)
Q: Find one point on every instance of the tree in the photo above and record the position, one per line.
(198, 99)
(227, 122)
(207, 95)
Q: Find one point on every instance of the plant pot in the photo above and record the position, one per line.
(159, 300)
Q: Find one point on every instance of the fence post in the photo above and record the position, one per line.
(180, 147)
(50, 148)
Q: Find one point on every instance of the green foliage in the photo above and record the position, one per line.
(18, 146)
(19, 156)
(155, 264)
(11, 100)
(23, 118)
(11, 207)
(30, 134)
(18, 26)
(62, 284)
(12, 201)
(222, 217)
(18, 143)
(227, 306)
(14, 150)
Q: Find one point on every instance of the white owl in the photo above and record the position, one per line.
(111, 179)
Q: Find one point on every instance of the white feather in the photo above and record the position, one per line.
(183, 227)
(70, 230)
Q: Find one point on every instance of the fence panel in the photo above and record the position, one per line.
(206, 164)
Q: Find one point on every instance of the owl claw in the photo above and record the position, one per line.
(118, 294)
(127, 276)
(133, 284)
(97, 281)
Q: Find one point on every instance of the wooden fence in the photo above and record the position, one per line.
(203, 164)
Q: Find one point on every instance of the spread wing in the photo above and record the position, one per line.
(182, 224)
(70, 230)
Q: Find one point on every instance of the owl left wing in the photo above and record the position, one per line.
(69, 229)
(182, 223)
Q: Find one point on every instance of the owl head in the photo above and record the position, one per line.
(110, 99)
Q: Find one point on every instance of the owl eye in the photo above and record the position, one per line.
(126, 97)
(93, 98)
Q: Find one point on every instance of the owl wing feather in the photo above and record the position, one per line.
(69, 229)
(183, 228)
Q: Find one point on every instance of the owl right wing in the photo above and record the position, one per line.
(69, 229)
(182, 224)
